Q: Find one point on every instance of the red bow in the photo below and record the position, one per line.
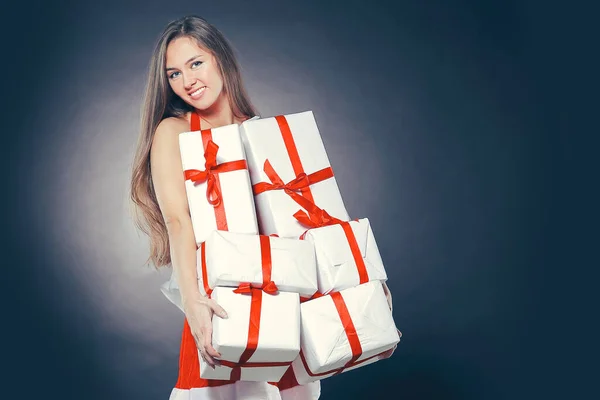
(268, 287)
(302, 181)
(213, 194)
(315, 218)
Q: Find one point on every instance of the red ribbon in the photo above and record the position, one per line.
(302, 181)
(246, 288)
(363, 275)
(336, 371)
(209, 175)
(207, 288)
(348, 325)
(267, 286)
(292, 150)
(351, 334)
(317, 218)
(314, 296)
(211, 172)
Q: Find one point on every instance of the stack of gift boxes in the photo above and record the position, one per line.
(300, 281)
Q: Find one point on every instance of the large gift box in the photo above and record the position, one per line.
(259, 339)
(228, 259)
(289, 168)
(343, 331)
(217, 181)
(347, 255)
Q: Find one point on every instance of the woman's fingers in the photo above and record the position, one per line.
(208, 348)
(200, 340)
(208, 359)
(202, 330)
(217, 309)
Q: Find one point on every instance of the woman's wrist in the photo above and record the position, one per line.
(191, 296)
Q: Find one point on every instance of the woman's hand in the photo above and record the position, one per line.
(199, 310)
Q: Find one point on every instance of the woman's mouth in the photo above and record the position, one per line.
(198, 93)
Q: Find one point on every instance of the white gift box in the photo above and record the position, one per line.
(278, 338)
(236, 190)
(338, 267)
(264, 140)
(232, 258)
(325, 347)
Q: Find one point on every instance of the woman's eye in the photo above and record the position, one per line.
(196, 64)
(173, 75)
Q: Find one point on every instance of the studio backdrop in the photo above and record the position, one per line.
(421, 110)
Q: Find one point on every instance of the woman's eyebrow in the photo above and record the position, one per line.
(188, 61)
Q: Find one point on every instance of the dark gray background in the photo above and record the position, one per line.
(436, 118)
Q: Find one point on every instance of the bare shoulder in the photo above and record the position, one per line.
(172, 126)
(166, 136)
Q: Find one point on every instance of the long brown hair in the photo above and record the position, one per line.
(161, 102)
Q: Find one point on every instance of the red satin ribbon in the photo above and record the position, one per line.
(269, 287)
(247, 288)
(314, 296)
(358, 259)
(209, 175)
(336, 371)
(351, 334)
(211, 172)
(292, 150)
(302, 181)
(317, 218)
(207, 288)
(253, 331)
(348, 325)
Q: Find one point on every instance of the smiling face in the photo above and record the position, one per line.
(193, 74)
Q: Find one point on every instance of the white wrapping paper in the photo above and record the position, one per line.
(278, 340)
(324, 343)
(336, 266)
(233, 258)
(263, 140)
(236, 188)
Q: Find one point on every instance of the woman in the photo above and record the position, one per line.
(193, 69)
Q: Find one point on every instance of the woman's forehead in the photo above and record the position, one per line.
(181, 49)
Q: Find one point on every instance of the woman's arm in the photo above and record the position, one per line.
(169, 186)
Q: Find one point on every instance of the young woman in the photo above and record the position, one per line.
(192, 70)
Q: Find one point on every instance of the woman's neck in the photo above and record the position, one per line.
(219, 114)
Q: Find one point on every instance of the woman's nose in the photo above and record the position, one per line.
(189, 81)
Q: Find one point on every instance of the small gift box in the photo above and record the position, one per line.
(228, 259)
(217, 181)
(347, 255)
(259, 339)
(343, 331)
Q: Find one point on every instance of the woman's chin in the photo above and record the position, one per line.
(200, 105)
